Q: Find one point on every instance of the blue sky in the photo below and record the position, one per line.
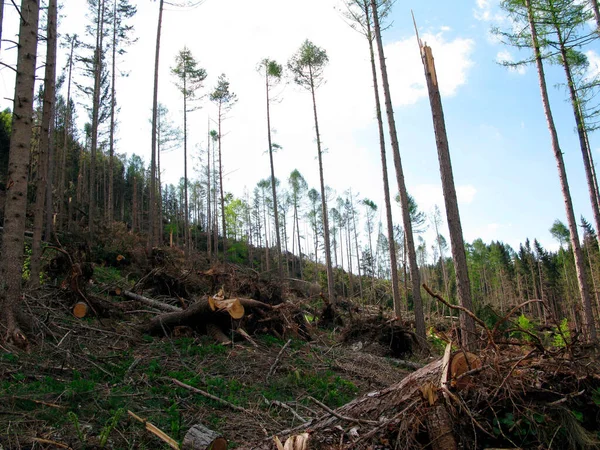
(503, 165)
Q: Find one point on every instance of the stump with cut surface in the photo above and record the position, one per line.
(201, 438)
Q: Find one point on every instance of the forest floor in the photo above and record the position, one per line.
(350, 383)
(78, 379)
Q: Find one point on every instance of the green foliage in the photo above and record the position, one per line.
(437, 343)
(107, 275)
(75, 421)
(308, 64)
(109, 426)
(523, 323)
(561, 333)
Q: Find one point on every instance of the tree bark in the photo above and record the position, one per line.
(62, 179)
(581, 131)
(1, 19)
(279, 261)
(208, 188)
(16, 195)
(155, 230)
(596, 10)
(45, 160)
(221, 189)
(467, 324)
(412, 256)
(589, 327)
(186, 231)
(386, 184)
(95, 114)
(330, 281)
(201, 438)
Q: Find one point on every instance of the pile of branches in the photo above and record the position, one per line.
(511, 393)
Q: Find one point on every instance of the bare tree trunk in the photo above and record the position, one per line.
(95, 114)
(412, 256)
(279, 261)
(357, 248)
(186, 231)
(581, 131)
(386, 184)
(15, 208)
(594, 4)
(589, 327)
(208, 187)
(155, 231)
(330, 281)
(299, 244)
(113, 92)
(467, 324)
(221, 189)
(62, 183)
(45, 161)
(1, 19)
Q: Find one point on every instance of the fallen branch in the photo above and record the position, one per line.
(150, 302)
(272, 369)
(341, 417)
(207, 395)
(156, 431)
(466, 311)
(287, 408)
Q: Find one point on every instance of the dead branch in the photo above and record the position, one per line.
(466, 311)
(156, 431)
(150, 301)
(341, 417)
(207, 395)
(272, 369)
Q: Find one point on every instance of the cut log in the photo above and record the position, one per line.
(201, 438)
(232, 306)
(217, 334)
(150, 302)
(196, 312)
(80, 310)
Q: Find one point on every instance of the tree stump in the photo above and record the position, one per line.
(201, 438)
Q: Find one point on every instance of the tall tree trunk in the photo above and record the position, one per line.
(113, 92)
(299, 244)
(222, 194)
(467, 324)
(155, 229)
(15, 208)
(1, 19)
(278, 238)
(596, 10)
(208, 188)
(45, 160)
(51, 59)
(412, 256)
(186, 231)
(62, 183)
(360, 285)
(386, 184)
(330, 281)
(95, 114)
(589, 327)
(581, 131)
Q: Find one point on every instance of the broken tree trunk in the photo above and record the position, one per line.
(467, 325)
(204, 311)
(150, 302)
(201, 438)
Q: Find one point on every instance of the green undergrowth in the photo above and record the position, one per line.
(84, 402)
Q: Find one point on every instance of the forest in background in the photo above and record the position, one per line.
(128, 273)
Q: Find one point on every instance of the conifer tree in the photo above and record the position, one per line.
(307, 67)
(189, 79)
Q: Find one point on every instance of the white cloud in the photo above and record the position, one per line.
(505, 56)
(429, 195)
(486, 11)
(452, 59)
